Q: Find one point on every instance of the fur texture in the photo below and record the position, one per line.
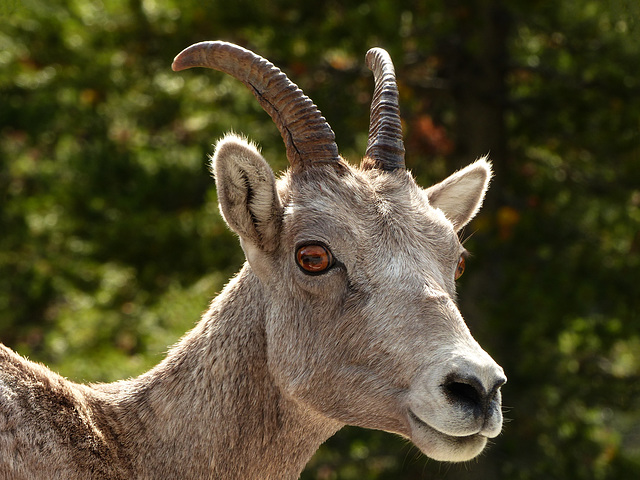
(283, 359)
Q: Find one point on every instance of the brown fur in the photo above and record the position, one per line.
(283, 359)
(209, 410)
(255, 388)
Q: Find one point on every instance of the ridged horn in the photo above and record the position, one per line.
(307, 135)
(385, 148)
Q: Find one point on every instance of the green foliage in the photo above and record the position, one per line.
(111, 243)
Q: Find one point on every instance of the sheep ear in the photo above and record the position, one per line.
(460, 196)
(247, 193)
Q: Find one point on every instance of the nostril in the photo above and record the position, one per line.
(499, 383)
(464, 393)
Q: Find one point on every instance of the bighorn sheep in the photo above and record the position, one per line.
(344, 313)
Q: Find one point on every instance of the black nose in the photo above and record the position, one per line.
(469, 392)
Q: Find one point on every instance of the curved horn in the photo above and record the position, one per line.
(385, 148)
(306, 134)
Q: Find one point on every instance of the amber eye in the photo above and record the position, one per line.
(314, 258)
(460, 268)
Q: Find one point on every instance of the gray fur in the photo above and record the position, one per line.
(282, 360)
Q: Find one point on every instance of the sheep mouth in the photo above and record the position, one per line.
(442, 446)
(422, 424)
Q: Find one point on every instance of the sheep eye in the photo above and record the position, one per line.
(314, 258)
(460, 267)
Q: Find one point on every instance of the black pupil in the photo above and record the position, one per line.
(312, 260)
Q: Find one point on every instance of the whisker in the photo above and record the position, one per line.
(465, 239)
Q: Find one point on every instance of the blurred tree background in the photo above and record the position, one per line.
(111, 244)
